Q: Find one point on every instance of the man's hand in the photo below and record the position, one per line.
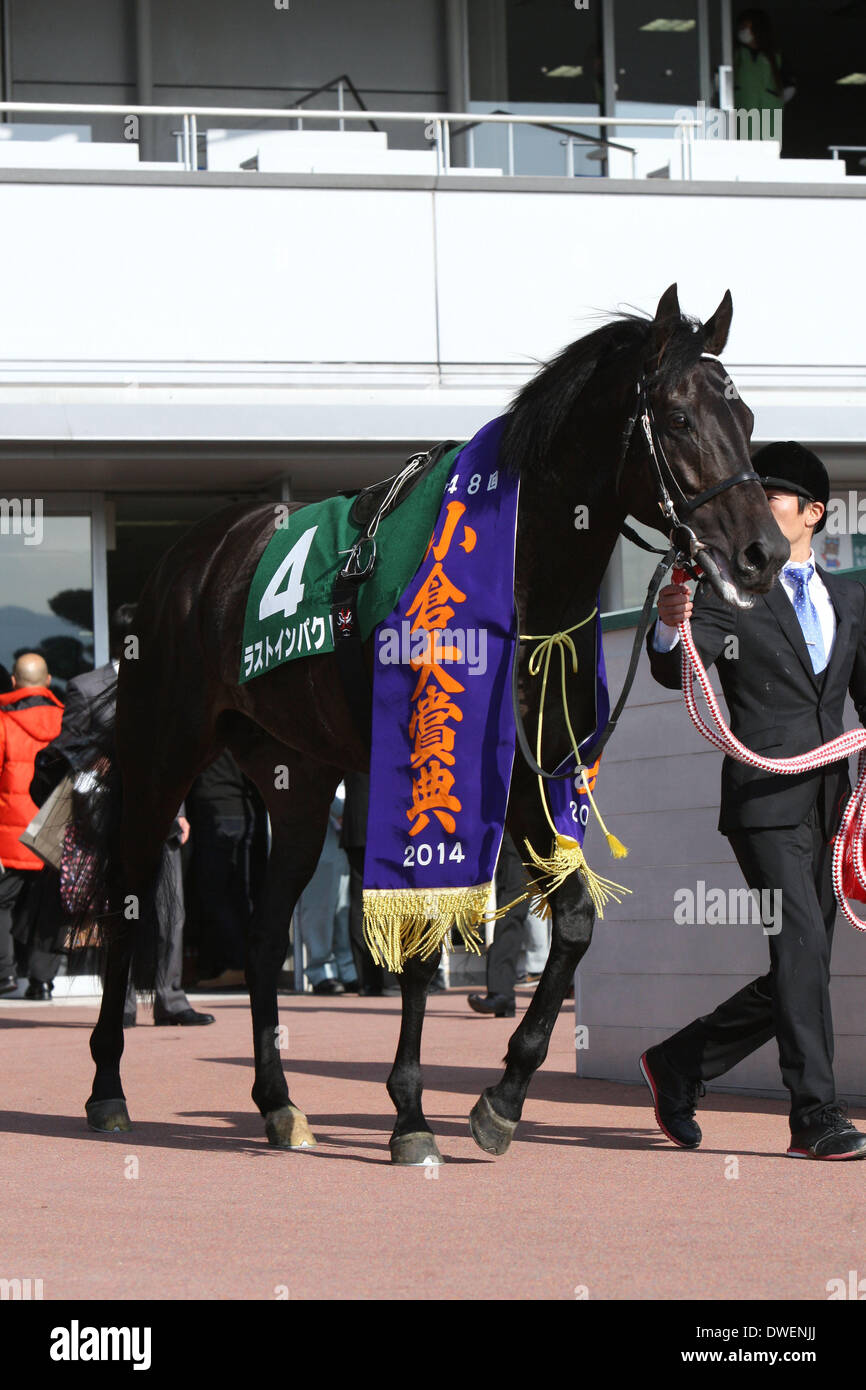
(674, 604)
(184, 829)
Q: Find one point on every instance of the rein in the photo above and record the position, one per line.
(848, 842)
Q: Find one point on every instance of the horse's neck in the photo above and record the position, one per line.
(562, 554)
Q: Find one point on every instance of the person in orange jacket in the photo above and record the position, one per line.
(30, 717)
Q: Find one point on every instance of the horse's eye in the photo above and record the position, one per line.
(679, 421)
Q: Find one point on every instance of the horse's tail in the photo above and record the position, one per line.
(90, 878)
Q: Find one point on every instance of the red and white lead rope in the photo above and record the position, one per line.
(853, 824)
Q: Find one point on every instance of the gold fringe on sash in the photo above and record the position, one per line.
(403, 922)
(567, 857)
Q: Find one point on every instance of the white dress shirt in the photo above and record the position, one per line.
(665, 637)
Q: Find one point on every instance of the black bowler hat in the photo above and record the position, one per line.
(792, 468)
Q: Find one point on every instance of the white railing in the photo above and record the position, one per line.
(437, 124)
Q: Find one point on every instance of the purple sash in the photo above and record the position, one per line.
(443, 727)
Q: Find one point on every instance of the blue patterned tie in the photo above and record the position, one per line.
(807, 613)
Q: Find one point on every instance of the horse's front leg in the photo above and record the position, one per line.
(497, 1111)
(412, 1142)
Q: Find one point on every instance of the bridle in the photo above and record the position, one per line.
(672, 501)
(686, 550)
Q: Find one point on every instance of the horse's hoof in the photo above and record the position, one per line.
(287, 1128)
(108, 1116)
(414, 1150)
(490, 1131)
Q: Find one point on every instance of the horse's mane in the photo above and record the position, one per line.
(544, 410)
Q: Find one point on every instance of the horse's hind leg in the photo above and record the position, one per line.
(146, 826)
(412, 1142)
(496, 1113)
(106, 1109)
(158, 757)
(299, 819)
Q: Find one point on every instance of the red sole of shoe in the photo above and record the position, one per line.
(647, 1076)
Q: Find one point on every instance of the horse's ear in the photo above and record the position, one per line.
(669, 305)
(718, 326)
(665, 324)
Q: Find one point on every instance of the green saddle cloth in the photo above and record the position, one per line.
(288, 611)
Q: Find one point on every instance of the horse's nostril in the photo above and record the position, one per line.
(754, 557)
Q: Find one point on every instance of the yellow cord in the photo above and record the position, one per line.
(544, 651)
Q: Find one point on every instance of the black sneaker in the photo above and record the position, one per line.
(675, 1098)
(830, 1135)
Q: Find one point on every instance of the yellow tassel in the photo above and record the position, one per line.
(566, 858)
(617, 848)
(404, 922)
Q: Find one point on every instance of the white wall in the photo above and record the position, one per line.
(370, 307)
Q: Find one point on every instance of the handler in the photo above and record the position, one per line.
(785, 666)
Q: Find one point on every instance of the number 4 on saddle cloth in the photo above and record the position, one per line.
(298, 605)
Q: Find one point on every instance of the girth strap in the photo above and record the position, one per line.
(349, 651)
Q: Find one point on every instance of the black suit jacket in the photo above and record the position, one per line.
(777, 705)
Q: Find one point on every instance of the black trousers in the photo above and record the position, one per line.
(39, 928)
(169, 994)
(792, 1001)
(222, 867)
(14, 884)
(509, 933)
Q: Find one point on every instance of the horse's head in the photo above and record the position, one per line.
(689, 442)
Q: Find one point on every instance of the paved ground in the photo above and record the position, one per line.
(193, 1203)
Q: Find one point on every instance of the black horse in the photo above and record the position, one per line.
(577, 436)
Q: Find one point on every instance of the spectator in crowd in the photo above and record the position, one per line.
(509, 936)
(322, 915)
(759, 82)
(87, 713)
(537, 947)
(229, 845)
(39, 930)
(5, 680)
(30, 716)
(353, 839)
